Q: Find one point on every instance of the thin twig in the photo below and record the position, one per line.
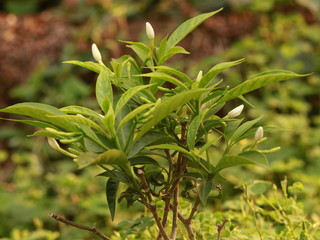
(90, 229)
(193, 210)
(220, 227)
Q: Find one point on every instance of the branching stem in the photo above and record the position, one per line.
(74, 224)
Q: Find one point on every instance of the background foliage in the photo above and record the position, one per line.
(36, 181)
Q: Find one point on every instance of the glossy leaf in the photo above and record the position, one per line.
(127, 96)
(167, 106)
(171, 52)
(41, 112)
(80, 119)
(193, 130)
(185, 28)
(95, 67)
(158, 78)
(111, 194)
(104, 88)
(172, 71)
(242, 129)
(259, 81)
(214, 71)
(80, 110)
(170, 147)
(119, 176)
(134, 113)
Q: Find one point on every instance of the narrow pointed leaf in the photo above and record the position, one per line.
(80, 110)
(170, 147)
(259, 81)
(167, 106)
(95, 67)
(41, 112)
(214, 71)
(111, 194)
(172, 71)
(171, 52)
(134, 113)
(160, 78)
(127, 96)
(104, 88)
(80, 119)
(188, 26)
(193, 130)
(242, 129)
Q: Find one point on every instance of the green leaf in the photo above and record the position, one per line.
(80, 119)
(42, 112)
(30, 122)
(95, 67)
(204, 191)
(111, 194)
(142, 160)
(170, 147)
(259, 81)
(127, 96)
(167, 106)
(172, 71)
(158, 78)
(193, 130)
(80, 110)
(139, 48)
(231, 161)
(185, 28)
(214, 71)
(149, 138)
(104, 88)
(119, 176)
(171, 52)
(242, 129)
(86, 159)
(257, 157)
(250, 157)
(133, 114)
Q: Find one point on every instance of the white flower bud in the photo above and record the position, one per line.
(236, 111)
(149, 31)
(259, 134)
(96, 53)
(53, 143)
(199, 76)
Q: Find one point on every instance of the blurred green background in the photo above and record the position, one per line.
(37, 35)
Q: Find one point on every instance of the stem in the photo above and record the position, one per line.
(175, 213)
(156, 217)
(193, 210)
(220, 227)
(90, 229)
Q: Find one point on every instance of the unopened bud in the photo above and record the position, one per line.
(149, 31)
(259, 134)
(96, 53)
(53, 143)
(199, 76)
(236, 111)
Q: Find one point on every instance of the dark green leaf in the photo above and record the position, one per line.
(111, 194)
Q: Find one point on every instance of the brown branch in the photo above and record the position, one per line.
(175, 213)
(90, 229)
(220, 227)
(156, 217)
(145, 184)
(193, 210)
